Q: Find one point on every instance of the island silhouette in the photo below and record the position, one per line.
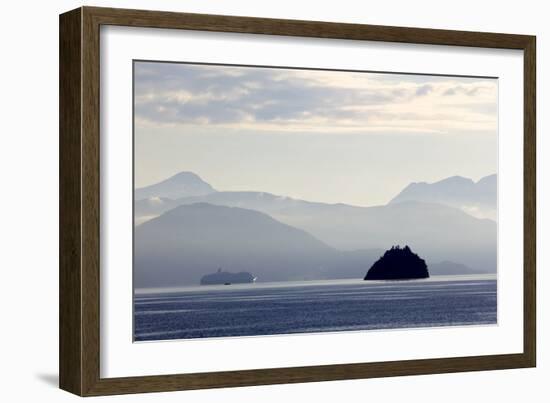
(398, 264)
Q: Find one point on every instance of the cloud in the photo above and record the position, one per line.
(288, 99)
(470, 91)
(424, 89)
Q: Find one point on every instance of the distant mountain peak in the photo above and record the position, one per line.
(475, 198)
(184, 176)
(489, 179)
(455, 179)
(182, 184)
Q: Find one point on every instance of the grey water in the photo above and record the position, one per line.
(312, 307)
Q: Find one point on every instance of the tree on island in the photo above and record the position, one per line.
(398, 264)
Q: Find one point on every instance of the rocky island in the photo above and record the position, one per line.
(398, 264)
(227, 278)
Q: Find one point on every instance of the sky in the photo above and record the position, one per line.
(330, 136)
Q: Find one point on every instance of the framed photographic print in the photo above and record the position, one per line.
(249, 201)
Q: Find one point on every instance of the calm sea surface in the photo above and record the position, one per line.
(321, 306)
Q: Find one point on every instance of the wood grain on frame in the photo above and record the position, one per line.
(70, 314)
(80, 194)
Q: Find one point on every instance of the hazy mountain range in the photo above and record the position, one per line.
(475, 198)
(185, 228)
(185, 243)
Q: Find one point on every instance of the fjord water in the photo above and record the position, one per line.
(311, 307)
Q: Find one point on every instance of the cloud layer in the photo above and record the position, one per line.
(251, 98)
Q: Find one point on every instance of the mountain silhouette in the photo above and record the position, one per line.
(475, 198)
(447, 267)
(184, 244)
(398, 264)
(439, 232)
(183, 184)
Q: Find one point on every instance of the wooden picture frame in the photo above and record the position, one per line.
(79, 278)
